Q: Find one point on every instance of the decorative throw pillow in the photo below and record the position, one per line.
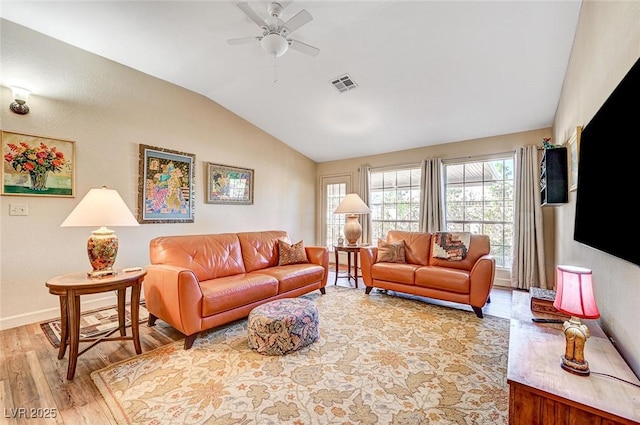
(391, 252)
(452, 246)
(291, 254)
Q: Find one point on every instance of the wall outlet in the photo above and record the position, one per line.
(18, 209)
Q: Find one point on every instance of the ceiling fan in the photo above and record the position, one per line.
(275, 32)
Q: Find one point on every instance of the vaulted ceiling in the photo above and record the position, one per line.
(427, 72)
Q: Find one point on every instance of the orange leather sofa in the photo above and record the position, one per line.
(468, 281)
(198, 282)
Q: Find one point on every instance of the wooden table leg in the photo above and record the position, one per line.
(64, 327)
(73, 308)
(135, 316)
(337, 266)
(122, 319)
(355, 267)
(348, 266)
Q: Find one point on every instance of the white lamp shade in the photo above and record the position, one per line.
(100, 208)
(274, 45)
(352, 204)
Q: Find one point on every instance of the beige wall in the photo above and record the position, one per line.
(607, 44)
(108, 109)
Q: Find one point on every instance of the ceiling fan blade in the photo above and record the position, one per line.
(242, 40)
(304, 47)
(251, 14)
(301, 18)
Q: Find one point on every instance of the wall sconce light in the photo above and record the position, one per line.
(20, 97)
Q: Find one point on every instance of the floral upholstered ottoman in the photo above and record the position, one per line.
(282, 326)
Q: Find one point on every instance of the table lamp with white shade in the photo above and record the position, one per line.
(101, 208)
(352, 206)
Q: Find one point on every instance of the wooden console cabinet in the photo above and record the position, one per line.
(541, 392)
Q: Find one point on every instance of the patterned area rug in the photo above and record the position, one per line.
(380, 359)
(92, 323)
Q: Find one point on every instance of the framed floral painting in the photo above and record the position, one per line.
(229, 185)
(37, 166)
(165, 186)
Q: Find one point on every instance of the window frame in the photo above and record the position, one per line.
(378, 200)
(502, 244)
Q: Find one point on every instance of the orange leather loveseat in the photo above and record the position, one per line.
(198, 282)
(467, 281)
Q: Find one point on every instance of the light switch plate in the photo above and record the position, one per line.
(18, 209)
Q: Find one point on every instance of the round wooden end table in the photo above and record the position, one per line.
(70, 287)
(351, 250)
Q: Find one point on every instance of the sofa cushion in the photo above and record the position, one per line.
(294, 276)
(224, 293)
(260, 249)
(444, 278)
(291, 253)
(394, 272)
(391, 252)
(208, 256)
(417, 245)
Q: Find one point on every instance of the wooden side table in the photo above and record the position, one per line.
(541, 392)
(70, 287)
(351, 250)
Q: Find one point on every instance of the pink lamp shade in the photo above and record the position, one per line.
(574, 292)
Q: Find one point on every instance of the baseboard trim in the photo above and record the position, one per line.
(52, 313)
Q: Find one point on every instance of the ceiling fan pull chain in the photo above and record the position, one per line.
(275, 70)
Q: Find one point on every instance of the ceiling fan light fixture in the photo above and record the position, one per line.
(274, 44)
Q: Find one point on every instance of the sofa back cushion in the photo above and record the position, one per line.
(260, 249)
(417, 245)
(478, 246)
(208, 256)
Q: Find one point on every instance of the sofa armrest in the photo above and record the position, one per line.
(173, 294)
(368, 257)
(319, 255)
(481, 280)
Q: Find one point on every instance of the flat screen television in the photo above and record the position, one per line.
(607, 213)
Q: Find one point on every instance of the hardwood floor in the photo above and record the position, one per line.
(33, 380)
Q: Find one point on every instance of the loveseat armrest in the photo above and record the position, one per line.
(368, 256)
(173, 294)
(481, 280)
(319, 255)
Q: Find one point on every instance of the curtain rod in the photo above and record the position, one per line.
(478, 157)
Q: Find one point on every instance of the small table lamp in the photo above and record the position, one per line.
(574, 296)
(101, 208)
(352, 205)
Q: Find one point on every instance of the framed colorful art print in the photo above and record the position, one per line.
(229, 185)
(37, 165)
(165, 186)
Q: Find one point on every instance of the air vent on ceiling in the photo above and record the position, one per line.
(344, 83)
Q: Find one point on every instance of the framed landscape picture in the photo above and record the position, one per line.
(229, 185)
(37, 166)
(573, 145)
(165, 186)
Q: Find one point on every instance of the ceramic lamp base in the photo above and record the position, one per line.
(102, 248)
(576, 335)
(577, 368)
(352, 229)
